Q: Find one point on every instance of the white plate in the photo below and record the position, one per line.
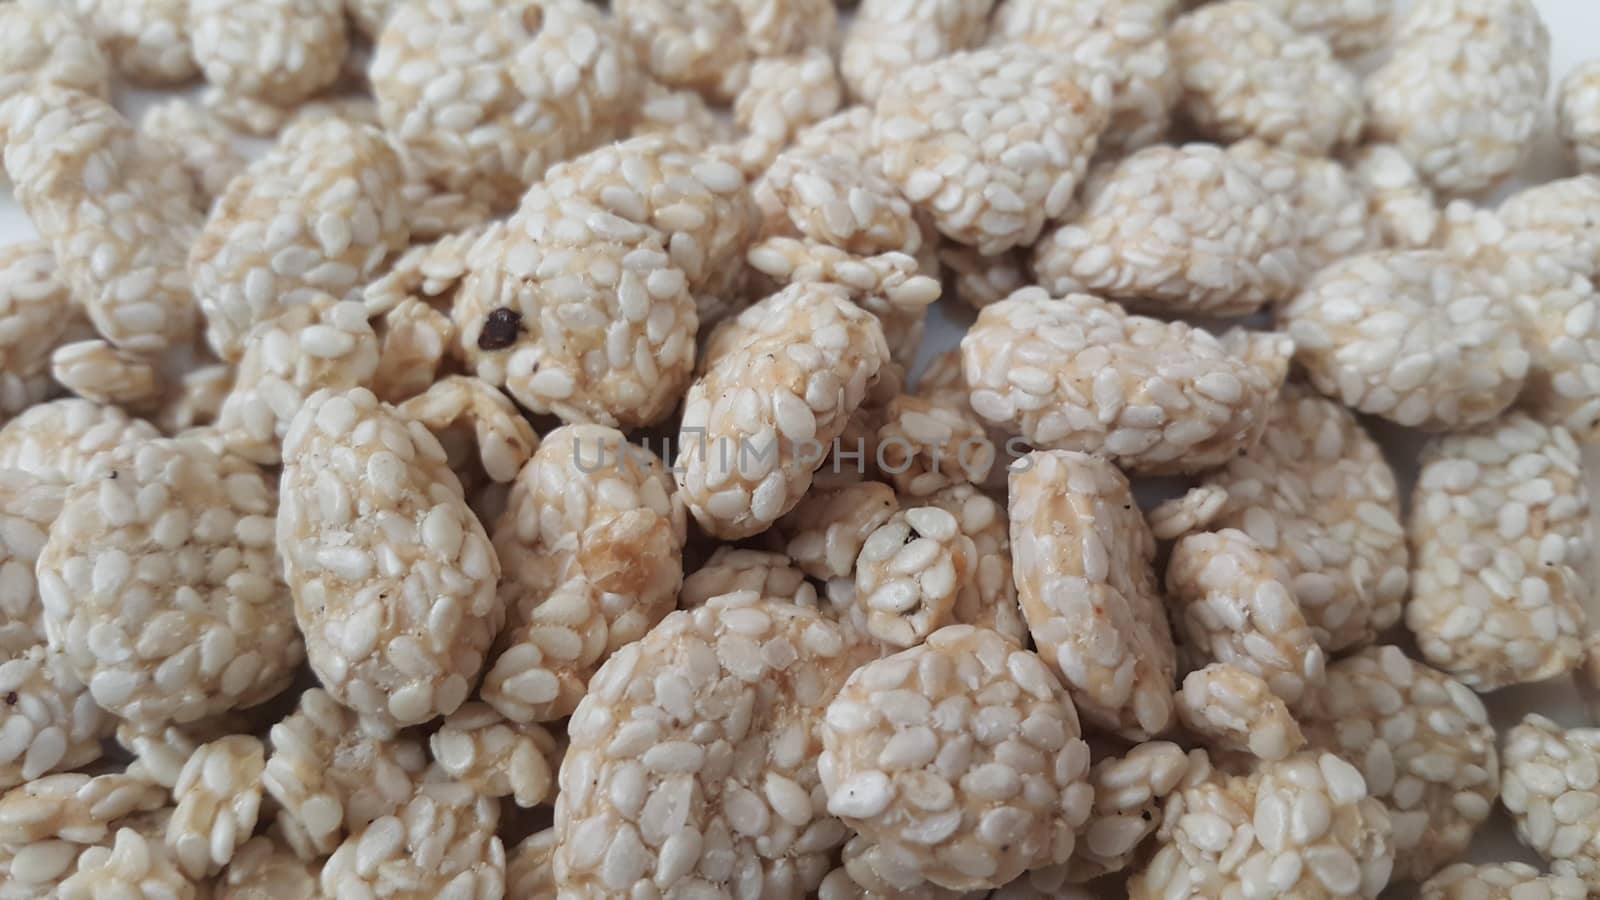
(1573, 26)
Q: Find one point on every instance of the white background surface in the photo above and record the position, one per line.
(1575, 36)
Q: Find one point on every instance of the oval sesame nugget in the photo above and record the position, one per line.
(53, 725)
(1468, 131)
(494, 756)
(482, 431)
(482, 96)
(160, 583)
(36, 316)
(1040, 116)
(41, 42)
(1422, 741)
(442, 843)
(1401, 204)
(785, 94)
(1351, 27)
(1317, 495)
(1129, 791)
(1177, 230)
(693, 762)
(591, 543)
(579, 313)
(148, 41)
(28, 506)
(76, 163)
(1230, 709)
(1232, 604)
(823, 534)
(1083, 558)
(62, 440)
(1127, 39)
(700, 204)
(886, 37)
(1500, 881)
(988, 596)
(1247, 73)
(960, 758)
(1078, 373)
(201, 140)
(1549, 777)
(708, 45)
(319, 214)
(232, 38)
(321, 343)
(327, 776)
(1328, 198)
(1579, 115)
(392, 575)
(908, 574)
(1303, 827)
(1412, 336)
(74, 806)
(754, 426)
(1501, 539)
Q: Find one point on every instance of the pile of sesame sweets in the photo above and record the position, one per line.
(489, 449)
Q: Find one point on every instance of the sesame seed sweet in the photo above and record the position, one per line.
(807, 358)
(392, 574)
(987, 598)
(825, 531)
(1579, 114)
(829, 199)
(147, 41)
(74, 806)
(978, 280)
(321, 343)
(1126, 39)
(132, 860)
(709, 45)
(98, 371)
(441, 843)
(886, 37)
(591, 542)
(482, 97)
(1232, 605)
(1400, 202)
(495, 756)
(530, 870)
(218, 797)
(1247, 73)
(36, 316)
(1500, 536)
(1046, 113)
(1078, 373)
(1083, 566)
(201, 140)
(960, 759)
(41, 42)
(1469, 131)
(318, 214)
(53, 725)
(1548, 785)
(64, 440)
(1333, 208)
(578, 312)
(76, 162)
(1129, 790)
(926, 444)
(1424, 744)
(160, 583)
(1188, 230)
(1412, 336)
(908, 574)
(693, 762)
(1230, 709)
(1351, 27)
(1500, 881)
(276, 52)
(1302, 827)
(1317, 495)
(328, 777)
(785, 94)
(731, 569)
(480, 428)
